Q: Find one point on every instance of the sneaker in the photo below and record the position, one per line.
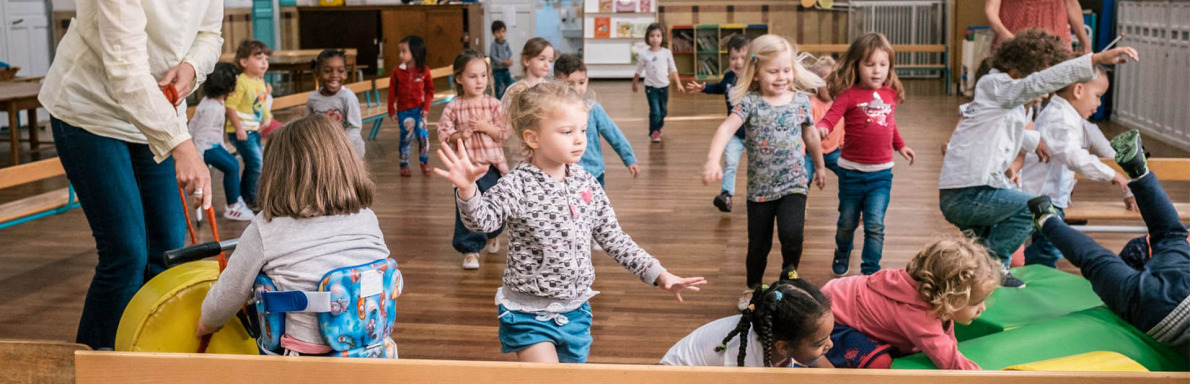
(425, 169)
(1042, 209)
(655, 136)
(745, 300)
(493, 246)
(238, 211)
(841, 264)
(723, 202)
(1130, 153)
(405, 172)
(1010, 281)
(471, 261)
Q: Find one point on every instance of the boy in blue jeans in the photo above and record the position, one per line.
(501, 57)
(1155, 298)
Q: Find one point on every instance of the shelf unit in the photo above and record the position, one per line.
(614, 56)
(700, 51)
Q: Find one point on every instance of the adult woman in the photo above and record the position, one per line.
(1007, 17)
(124, 147)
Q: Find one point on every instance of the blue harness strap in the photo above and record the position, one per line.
(356, 309)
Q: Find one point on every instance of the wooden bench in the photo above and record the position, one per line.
(899, 48)
(140, 367)
(38, 361)
(35, 207)
(1166, 169)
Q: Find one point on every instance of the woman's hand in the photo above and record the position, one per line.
(459, 170)
(677, 285)
(182, 77)
(192, 173)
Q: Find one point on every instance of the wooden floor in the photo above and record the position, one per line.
(448, 313)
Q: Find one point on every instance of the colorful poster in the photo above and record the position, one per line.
(646, 6)
(605, 6)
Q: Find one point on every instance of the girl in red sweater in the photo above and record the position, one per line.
(410, 92)
(866, 92)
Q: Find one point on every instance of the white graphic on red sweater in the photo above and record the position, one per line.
(876, 110)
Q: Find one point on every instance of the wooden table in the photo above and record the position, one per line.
(15, 96)
(294, 61)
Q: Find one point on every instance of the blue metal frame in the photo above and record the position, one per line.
(945, 69)
(71, 203)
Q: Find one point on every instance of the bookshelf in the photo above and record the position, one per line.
(700, 51)
(613, 30)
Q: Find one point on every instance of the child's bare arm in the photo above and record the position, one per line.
(814, 147)
(712, 171)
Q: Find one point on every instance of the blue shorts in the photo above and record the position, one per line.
(570, 332)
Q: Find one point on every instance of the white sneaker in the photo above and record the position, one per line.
(745, 300)
(471, 261)
(238, 212)
(493, 245)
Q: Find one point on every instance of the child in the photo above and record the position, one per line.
(914, 309)
(772, 106)
(476, 120)
(206, 127)
(1075, 146)
(552, 208)
(336, 101)
(787, 324)
(570, 68)
(866, 91)
(737, 52)
(1155, 298)
(501, 56)
(537, 60)
(315, 217)
(247, 113)
(832, 144)
(973, 189)
(410, 94)
(657, 65)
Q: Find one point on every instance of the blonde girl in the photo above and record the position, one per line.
(914, 309)
(553, 208)
(476, 120)
(773, 106)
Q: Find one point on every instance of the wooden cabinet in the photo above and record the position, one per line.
(447, 30)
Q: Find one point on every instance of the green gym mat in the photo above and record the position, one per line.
(1049, 294)
(1096, 329)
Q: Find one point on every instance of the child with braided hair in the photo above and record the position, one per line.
(914, 309)
(787, 324)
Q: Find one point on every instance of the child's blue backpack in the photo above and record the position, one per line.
(356, 309)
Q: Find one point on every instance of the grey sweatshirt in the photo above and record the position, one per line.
(295, 254)
(550, 225)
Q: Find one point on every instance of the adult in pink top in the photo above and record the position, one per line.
(871, 132)
(886, 306)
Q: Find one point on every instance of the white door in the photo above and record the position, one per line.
(27, 35)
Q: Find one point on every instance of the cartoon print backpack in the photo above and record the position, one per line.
(356, 309)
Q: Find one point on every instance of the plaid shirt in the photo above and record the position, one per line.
(483, 149)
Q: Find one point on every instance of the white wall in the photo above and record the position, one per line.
(521, 27)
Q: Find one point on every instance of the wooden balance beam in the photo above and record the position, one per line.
(1166, 169)
(135, 367)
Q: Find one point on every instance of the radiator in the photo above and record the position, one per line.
(902, 22)
(1153, 95)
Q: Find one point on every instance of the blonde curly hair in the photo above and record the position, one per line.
(953, 272)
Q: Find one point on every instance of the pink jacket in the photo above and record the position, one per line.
(886, 307)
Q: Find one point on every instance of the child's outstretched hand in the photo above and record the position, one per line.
(695, 86)
(677, 285)
(820, 177)
(459, 170)
(908, 154)
(711, 172)
(1115, 56)
(634, 170)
